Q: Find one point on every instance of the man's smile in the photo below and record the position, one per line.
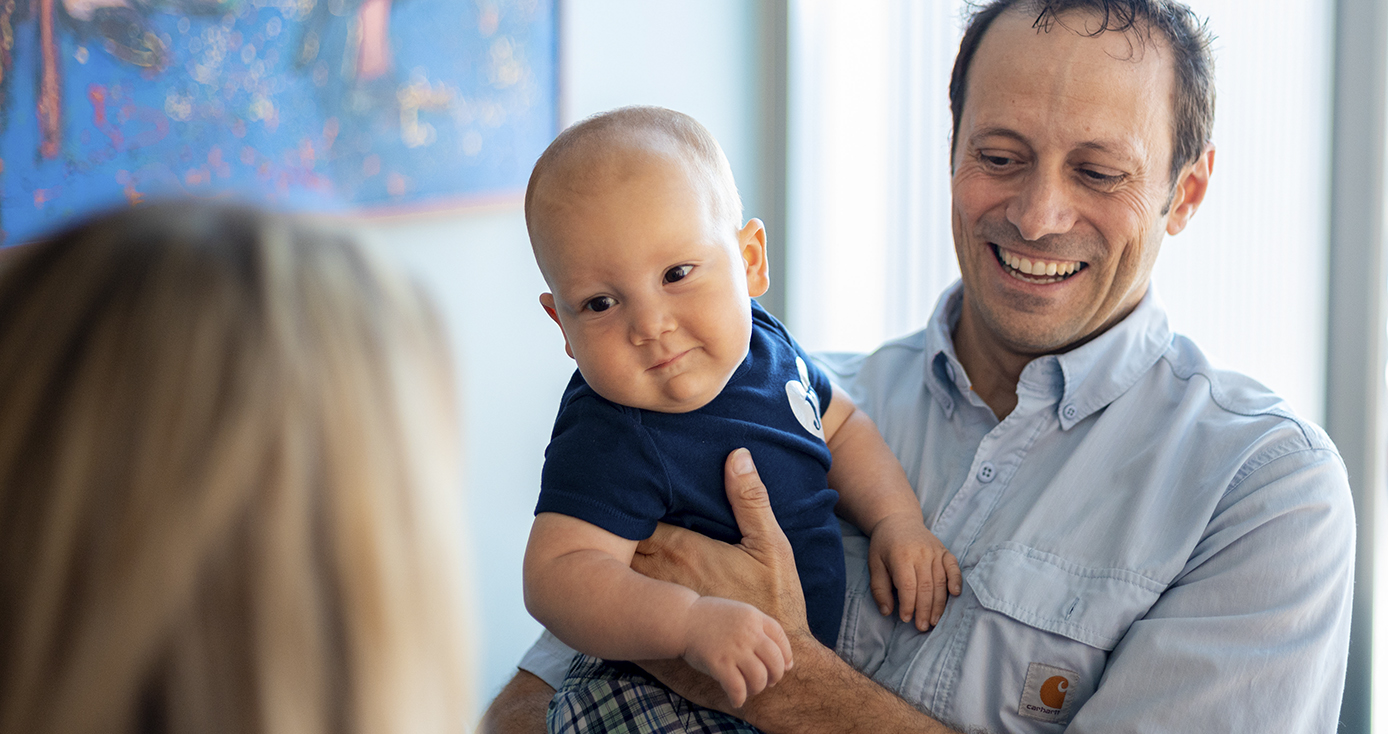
(1035, 271)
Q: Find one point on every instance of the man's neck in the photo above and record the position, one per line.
(994, 368)
(993, 372)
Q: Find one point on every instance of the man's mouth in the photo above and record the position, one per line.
(1036, 271)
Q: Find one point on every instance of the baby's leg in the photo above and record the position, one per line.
(601, 698)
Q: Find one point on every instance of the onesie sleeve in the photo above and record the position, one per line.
(818, 380)
(602, 467)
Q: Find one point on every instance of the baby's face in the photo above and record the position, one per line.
(652, 294)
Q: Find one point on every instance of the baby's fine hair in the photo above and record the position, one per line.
(580, 150)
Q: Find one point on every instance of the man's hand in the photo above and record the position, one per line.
(822, 694)
(906, 555)
(742, 648)
(759, 571)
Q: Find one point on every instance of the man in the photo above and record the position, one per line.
(1148, 544)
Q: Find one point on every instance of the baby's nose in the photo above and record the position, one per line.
(651, 323)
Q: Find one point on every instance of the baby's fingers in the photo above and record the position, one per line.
(953, 575)
(754, 674)
(939, 592)
(734, 685)
(908, 589)
(881, 583)
(778, 637)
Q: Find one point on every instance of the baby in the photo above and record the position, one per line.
(636, 226)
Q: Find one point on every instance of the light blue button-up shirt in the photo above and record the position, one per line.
(1147, 543)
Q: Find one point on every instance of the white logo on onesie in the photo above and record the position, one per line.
(804, 403)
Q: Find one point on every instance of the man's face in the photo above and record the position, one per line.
(1061, 181)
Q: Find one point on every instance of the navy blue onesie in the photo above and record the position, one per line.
(623, 469)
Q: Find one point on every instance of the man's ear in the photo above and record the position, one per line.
(547, 303)
(751, 242)
(1190, 191)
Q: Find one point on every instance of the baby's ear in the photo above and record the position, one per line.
(547, 303)
(751, 241)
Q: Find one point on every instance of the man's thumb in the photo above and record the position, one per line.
(747, 494)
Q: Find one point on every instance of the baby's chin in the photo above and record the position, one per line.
(683, 394)
(666, 403)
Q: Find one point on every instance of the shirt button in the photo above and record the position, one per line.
(986, 472)
(1070, 411)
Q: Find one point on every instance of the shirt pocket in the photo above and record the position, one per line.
(1036, 616)
(1094, 606)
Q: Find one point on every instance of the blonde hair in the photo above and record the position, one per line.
(225, 499)
(588, 148)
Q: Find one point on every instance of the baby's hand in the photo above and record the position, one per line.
(903, 553)
(740, 647)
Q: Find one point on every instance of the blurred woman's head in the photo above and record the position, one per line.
(227, 499)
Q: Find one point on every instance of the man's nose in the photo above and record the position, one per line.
(651, 321)
(1043, 206)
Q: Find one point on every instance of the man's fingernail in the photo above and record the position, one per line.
(742, 462)
(885, 610)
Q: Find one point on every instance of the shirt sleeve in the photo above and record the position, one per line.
(1253, 634)
(602, 467)
(819, 381)
(548, 659)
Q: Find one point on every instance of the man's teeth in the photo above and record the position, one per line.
(1037, 267)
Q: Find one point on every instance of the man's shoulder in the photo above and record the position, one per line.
(893, 358)
(1242, 408)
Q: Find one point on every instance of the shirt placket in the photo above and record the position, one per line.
(993, 468)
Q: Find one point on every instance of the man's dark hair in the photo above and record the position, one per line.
(1186, 35)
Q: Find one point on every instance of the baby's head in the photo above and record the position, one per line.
(636, 226)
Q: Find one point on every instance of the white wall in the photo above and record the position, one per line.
(699, 58)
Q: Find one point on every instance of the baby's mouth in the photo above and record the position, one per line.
(1036, 271)
(668, 360)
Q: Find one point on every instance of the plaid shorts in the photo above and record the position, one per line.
(598, 696)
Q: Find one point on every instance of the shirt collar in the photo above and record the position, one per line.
(1079, 382)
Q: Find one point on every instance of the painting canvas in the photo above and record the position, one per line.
(317, 105)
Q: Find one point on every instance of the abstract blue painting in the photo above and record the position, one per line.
(311, 105)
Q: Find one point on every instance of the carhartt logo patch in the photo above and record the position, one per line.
(1045, 695)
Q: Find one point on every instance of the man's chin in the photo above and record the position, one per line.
(1032, 334)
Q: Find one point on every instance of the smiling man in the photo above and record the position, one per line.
(1148, 543)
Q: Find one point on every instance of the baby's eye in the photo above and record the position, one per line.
(600, 304)
(677, 273)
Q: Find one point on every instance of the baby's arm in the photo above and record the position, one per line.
(579, 584)
(875, 495)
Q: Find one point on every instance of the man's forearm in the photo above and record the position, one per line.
(820, 695)
(520, 708)
(823, 694)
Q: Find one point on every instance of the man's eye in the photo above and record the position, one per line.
(995, 161)
(1100, 176)
(677, 273)
(600, 304)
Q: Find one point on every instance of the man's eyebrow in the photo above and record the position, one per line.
(993, 132)
(1117, 149)
(1102, 146)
